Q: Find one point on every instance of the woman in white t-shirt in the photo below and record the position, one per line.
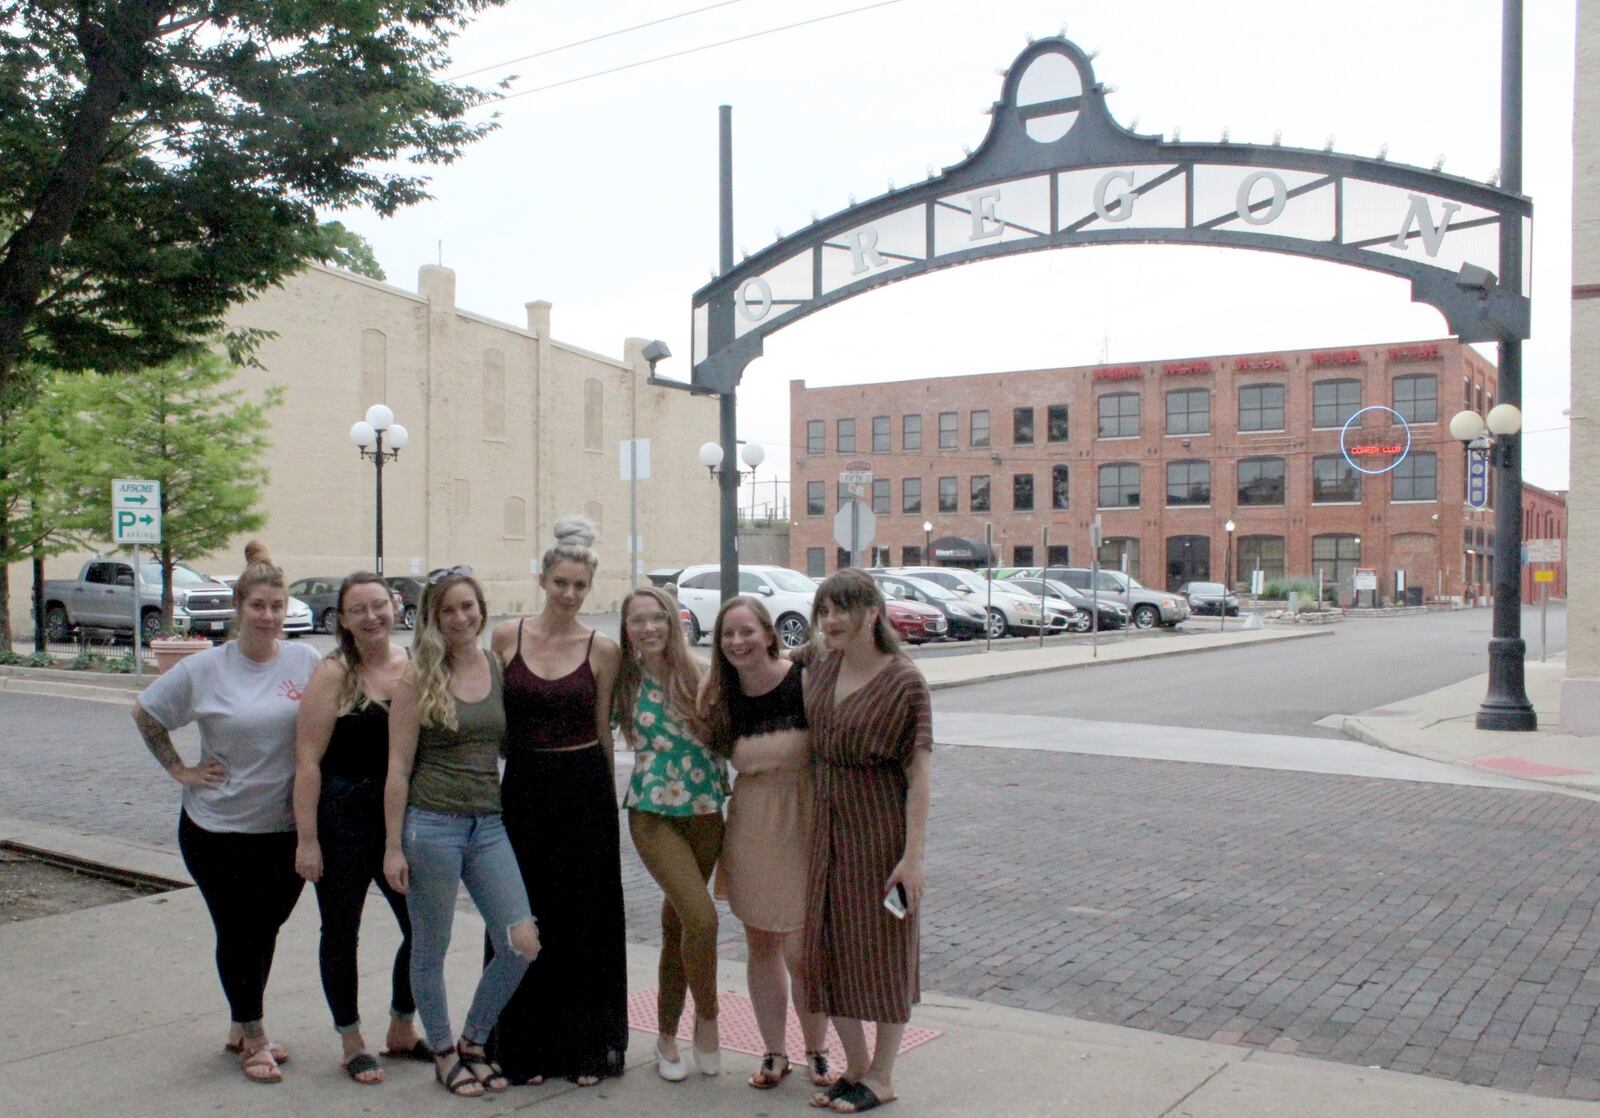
(236, 829)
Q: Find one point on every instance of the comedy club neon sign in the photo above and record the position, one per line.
(1371, 454)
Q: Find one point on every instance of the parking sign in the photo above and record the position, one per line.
(135, 511)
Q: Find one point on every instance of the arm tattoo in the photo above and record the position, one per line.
(157, 740)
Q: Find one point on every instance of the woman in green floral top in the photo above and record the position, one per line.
(675, 817)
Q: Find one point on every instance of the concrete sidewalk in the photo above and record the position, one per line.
(1439, 726)
(116, 1011)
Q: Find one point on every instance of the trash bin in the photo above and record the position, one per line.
(1414, 596)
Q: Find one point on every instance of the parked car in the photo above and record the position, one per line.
(1007, 609)
(321, 596)
(101, 599)
(788, 595)
(1113, 615)
(963, 620)
(1148, 608)
(408, 589)
(298, 619)
(1209, 597)
(915, 622)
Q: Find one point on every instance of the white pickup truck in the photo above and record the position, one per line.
(101, 599)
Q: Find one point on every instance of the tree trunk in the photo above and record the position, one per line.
(38, 599)
(166, 576)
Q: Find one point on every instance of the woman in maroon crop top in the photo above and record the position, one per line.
(570, 1016)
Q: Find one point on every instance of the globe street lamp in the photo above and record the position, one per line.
(370, 432)
(927, 545)
(1227, 574)
(711, 457)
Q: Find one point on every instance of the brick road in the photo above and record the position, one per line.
(1437, 929)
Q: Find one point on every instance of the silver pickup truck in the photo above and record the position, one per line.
(101, 599)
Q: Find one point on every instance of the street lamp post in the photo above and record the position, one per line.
(370, 432)
(927, 542)
(711, 457)
(1227, 574)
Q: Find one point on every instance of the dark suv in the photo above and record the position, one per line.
(410, 589)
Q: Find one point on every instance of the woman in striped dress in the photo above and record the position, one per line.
(871, 740)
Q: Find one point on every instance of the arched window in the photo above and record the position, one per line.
(516, 517)
(374, 369)
(494, 394)
(593, 414)
(1259, 553)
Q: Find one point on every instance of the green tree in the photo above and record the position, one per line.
(347, 249)
(163, 159)
(181, 425)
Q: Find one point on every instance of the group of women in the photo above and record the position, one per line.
(382, 765)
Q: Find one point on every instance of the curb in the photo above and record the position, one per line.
(99, 693)
(1352, 727)
(1015, 673)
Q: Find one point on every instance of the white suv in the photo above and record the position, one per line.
(1010, 611)
(787, 594)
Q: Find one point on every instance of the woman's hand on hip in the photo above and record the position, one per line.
(397, 872)
(308, 860)
(207, 774)
(909, 874)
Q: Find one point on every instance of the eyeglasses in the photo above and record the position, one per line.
(366, 611)
(437, 576)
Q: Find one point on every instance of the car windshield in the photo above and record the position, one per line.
(181, 575)
(1205, 588)
(792, 581)
(931, 589)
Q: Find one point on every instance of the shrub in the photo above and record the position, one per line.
(9, 657)
(40, 660)
(87, 662)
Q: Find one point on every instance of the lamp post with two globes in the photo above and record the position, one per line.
(711, 457)
(370, 432)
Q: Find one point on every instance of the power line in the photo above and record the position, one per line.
(693, 50)
(592, 39)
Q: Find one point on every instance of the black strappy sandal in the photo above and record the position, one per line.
(767, 1076)
(821, 1072)
(459, 1080)
(474, 1057)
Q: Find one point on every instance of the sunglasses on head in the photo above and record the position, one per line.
(437, 576)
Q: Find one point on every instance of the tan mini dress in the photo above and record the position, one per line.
(767, 846)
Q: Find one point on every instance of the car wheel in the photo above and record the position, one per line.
(409, 617)
(330, 621)
(695, 632)
(1146, 617)
(1080, 624)
(995, 624)
(149, 625)
(793, 630)
(57, 627)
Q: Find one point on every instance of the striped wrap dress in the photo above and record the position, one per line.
(860, 960)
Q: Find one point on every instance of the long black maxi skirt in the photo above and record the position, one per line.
(569, 1016)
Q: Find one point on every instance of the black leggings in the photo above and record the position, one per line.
(249, 884)
(350, 832)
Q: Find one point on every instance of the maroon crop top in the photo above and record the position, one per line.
(549, 713)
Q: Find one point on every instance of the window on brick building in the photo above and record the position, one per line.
(845, 436)
(1416, 478)
(911, 555)
(1060, 486)
(949, 437)
(1058, 555)
(910, 432)
(1119, 485)
(1120, 553)
(1057, 429)
(1333, 402)
(815, 437)
(1333, 480)
(1261, 407)
(880, 434)
(978, 493)
(1336, 557)
(1263, 553)
(1261, 481)
(947, 494)
(1022, 426)
(1189, 411)
(816, 499)
(911, 494)
(979, 429)
(1188, 483)
(880, 496)
(1022, 492)
(1119, 415)
(816, 561)
(1022, 555)
(1416, 398)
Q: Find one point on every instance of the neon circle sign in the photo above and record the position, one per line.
(1374, 450)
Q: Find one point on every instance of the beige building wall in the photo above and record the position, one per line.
(509, 430)
(1580, 691)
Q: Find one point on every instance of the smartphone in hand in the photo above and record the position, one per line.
(895, 901)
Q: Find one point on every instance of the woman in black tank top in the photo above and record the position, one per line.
(569, 1016)
(342, 759)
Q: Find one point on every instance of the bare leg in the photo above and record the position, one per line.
(880, 1075)
(813, 1026)
(769, 985)
(856, 1059)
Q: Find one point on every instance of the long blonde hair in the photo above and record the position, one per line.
(723, 678)
(352, 696)
(436, 706)
(683, 674)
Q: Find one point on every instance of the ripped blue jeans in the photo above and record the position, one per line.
(443, 851)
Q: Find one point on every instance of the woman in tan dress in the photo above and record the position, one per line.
(754, 711)
(871, 740)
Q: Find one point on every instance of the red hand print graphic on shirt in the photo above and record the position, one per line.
(290, 691)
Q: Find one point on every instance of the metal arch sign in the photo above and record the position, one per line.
(1376, 451)
(1057, 171)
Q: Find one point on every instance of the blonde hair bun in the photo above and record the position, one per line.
(574, 531)
(256, 552)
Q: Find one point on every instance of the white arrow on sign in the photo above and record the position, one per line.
(135, 511)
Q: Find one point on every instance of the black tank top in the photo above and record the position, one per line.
(549, 713)
(358, 748)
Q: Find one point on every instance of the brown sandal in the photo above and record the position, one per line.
(767, 1076)
(279, 1052)
(259, 1066)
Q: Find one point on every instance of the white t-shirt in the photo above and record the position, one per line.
(246, 712)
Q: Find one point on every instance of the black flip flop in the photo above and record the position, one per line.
(418, 1051)
(863, 1098)
(839, 1089)
(360, 1064)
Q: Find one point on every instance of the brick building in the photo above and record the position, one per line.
(1166, 453)
(1544, 517)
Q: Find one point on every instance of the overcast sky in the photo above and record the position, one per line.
(600, 195)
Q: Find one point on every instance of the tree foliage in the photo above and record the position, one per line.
(347, 249)
(164, 159)
(181, 425)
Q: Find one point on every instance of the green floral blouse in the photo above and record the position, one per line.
(673, 774)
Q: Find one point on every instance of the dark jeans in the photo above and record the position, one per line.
(350, 832)
(249, 884)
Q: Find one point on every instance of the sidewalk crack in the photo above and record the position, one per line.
(1192, 1091)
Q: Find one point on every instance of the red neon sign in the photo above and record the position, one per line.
(1186, 368)
(1375, 448)
(1414, 352)
(1247, 363)
(1119, 372)
(1337, 357)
